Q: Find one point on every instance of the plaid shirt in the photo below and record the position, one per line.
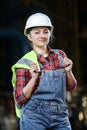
(23, 75)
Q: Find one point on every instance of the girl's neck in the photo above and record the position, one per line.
(41, 51)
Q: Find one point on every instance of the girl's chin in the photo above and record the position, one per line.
(42, 44)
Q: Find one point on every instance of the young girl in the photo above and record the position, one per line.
(41, 78)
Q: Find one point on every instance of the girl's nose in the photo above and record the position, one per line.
(42, 34)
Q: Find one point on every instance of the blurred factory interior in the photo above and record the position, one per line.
(69, 18)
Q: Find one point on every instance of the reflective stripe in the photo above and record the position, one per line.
(25, 61)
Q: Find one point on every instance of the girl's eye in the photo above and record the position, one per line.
(37, 32)
(46, 32)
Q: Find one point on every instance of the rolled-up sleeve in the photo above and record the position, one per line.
(72, 86)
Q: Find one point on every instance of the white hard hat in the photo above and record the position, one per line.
(37, 20)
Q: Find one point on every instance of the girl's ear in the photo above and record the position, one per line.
(29, 37)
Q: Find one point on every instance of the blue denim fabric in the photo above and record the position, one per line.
(47, 107)
(43, 115)
(52, 86)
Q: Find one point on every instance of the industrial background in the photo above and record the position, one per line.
(69, 18)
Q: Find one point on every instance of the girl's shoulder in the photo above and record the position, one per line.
(60, 52)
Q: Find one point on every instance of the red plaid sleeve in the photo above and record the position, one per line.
(22, 78)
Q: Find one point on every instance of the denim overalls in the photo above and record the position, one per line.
(47, 107)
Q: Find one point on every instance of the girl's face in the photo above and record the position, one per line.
(39, 36)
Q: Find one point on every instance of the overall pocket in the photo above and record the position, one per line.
(30, 107)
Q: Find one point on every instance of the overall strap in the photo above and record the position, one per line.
(60, 57)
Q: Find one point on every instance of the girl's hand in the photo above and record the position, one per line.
(68, 64)
(34, 70)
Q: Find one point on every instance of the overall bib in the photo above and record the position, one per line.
(47, 107)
